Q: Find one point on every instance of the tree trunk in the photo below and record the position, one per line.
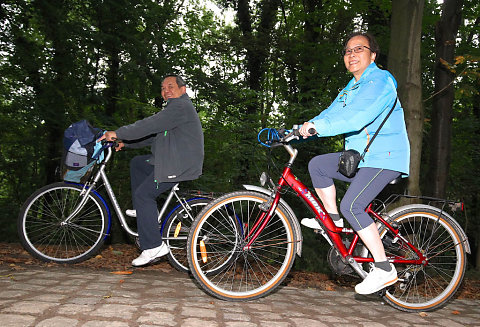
(440, 141)
(404, 63)
(257, 45)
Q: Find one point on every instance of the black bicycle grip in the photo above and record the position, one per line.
(311, 131)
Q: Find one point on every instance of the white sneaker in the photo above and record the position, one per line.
(376, 280)
(313, 223)
(150, 255)
(131, 213)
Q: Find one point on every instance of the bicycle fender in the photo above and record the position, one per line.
(296, 224)
(440, 211)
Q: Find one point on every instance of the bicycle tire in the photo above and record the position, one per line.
(176, 229)
(216, 254)
(44, 235)
(429, 286)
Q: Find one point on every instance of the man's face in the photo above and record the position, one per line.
(171, 90)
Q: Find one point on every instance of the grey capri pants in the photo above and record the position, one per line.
(364, 186)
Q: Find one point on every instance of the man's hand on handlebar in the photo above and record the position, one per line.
(306, 130)
(111, 136)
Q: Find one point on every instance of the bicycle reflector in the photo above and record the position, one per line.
(177, 229)
(457, 206)
(203, 251)
(263, 178)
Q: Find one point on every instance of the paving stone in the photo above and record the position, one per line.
(25, 287)
(13, 320)
(236, 316)
(42, 282)
(305, 322)
(115, 311)
(277, 324)
(84, 300)
(57, 322)
(239, 324)
(68, 289)
(12, 294)
(161, 306)
(165, 318)
(29, 307)
(198, 312)
(103, 323)
(196, 322)
(72, 309)
(49, 297)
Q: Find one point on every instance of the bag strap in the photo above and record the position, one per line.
(380, 127)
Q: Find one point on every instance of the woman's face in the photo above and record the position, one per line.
(356, 63)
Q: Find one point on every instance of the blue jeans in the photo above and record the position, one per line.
(364, 186)
(144, 197)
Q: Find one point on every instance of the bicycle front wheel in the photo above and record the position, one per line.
(428, 286)
(47, 235)
(217, 253)
(175, 231)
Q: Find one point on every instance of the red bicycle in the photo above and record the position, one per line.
(242, 245)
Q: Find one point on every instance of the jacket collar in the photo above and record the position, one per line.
(183, 96)
(368, 70)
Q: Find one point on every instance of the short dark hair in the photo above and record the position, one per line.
(180, 81)
(372, 43)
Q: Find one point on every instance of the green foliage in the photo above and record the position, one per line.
(278, 64)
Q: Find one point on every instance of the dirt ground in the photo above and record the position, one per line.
(117, 258)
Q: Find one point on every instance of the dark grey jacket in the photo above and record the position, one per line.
(176, 139)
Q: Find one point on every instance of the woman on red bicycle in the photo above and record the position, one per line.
(357, 112)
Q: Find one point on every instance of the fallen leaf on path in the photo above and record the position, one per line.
(422, 314)
(126, 272)
(455, 312)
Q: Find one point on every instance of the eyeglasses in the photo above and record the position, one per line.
(356, 49)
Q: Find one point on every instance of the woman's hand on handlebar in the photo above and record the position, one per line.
(111, 136)
(306, 129)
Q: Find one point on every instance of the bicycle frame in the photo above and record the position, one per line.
(90, 187)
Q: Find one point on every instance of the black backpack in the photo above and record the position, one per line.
(79, 142)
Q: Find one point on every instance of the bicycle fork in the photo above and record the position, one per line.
(262, 221)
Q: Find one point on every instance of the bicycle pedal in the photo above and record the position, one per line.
(382, 292)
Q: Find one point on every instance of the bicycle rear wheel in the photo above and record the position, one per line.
(216, 249)
(428, 286)
(45, 234)
(176, 229)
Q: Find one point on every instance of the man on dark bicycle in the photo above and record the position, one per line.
(176, 139)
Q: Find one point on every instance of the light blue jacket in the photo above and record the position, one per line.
(358, 111)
